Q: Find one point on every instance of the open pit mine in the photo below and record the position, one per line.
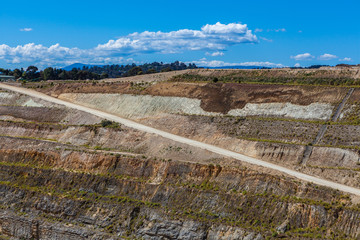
(200, 154)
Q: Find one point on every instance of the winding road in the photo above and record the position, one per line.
(184, 140)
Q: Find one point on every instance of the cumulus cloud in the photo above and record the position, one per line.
(302, 57)
(258, 30)
(297, 65)
(215, 54)
(216, 38)
(26, 29)
(32, 52)
(327, 56)
(346, 59)
(53, 55)
(210, 37)
(217, 63)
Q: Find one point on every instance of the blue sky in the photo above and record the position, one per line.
(209, 33)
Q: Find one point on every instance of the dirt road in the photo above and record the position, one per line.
(184, 140)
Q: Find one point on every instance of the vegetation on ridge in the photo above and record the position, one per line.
(301, 77)
(32, 73)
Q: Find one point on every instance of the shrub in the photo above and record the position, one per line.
(105, 123)
(109, 124)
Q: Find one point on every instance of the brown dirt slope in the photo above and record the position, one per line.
(39, 114)
(222, 97)
(215, 97)
(155, 77)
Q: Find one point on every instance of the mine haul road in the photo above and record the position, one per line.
(184, 140)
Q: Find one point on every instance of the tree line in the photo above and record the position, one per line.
(114, 71)
(32, 73)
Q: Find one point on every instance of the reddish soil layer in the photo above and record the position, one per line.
(222, 97)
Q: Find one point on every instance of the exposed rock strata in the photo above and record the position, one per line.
(124, 197)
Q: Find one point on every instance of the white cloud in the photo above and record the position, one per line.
(216, 38)
(280, 30)
(53, 55)
(216, 63)
(215, 54)
(302, 57)
(210, 37)
(26, 29)
(346, 59)
(31, 52)
(277, 30)
(258, 30)
(297, 65)
(308, 56)
(327, 56)
(266, 39)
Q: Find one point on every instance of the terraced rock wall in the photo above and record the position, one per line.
(147, 198)
(63, 175)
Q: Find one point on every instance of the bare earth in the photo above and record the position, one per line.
(155, 77)
(188, 141)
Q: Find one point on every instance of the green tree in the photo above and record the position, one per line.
(168, 69)
(63, 75)
(134, 71)
(104, 75)
(151, 70)
(17, 73)
(4, 71)
(31, 73)
(48, 74)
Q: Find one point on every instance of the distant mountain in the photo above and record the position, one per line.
(239, 67)
(78, 66)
